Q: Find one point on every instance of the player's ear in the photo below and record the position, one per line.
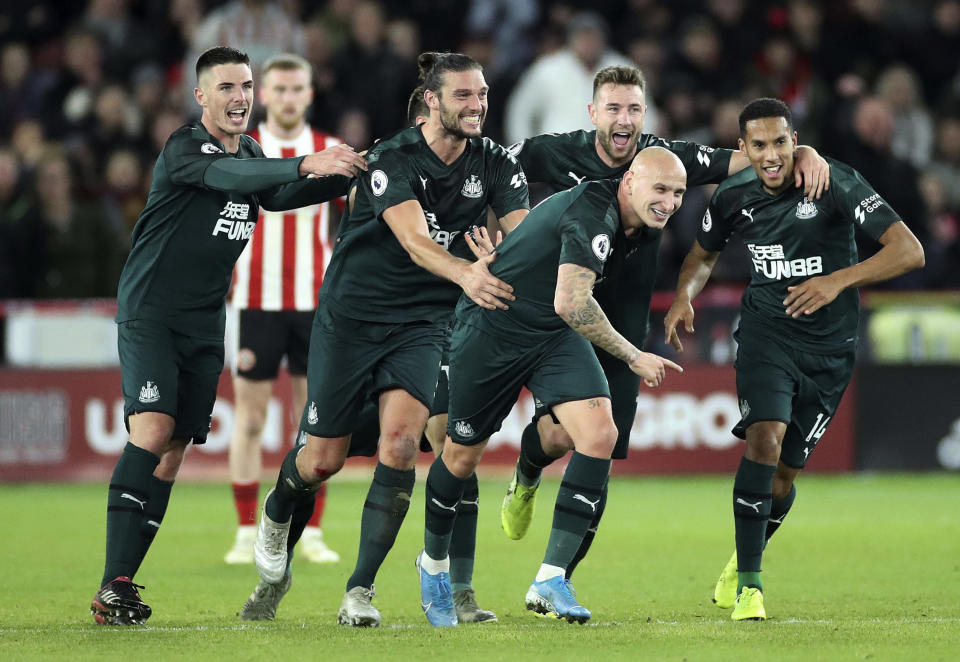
(795, 142)
(199, 96)
(592, 110)
(433, 101)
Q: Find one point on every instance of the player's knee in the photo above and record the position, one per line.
(398, 448)
(600, 440)
(318, 464)
(251, 424)
(763, 448)
(461, 460)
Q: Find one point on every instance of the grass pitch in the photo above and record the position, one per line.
(866, 567)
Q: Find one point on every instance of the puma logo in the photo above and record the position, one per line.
(778, 521)
(470, 503)
(748, 214)
(153, 523)
(578, 180)
(126, 495)
(755, 506)
(450, 508)
(592, 504)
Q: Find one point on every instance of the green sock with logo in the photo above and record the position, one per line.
(581, 491)
(383, 512)
(127, 499)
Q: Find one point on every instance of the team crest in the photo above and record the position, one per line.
(601, 247)
(707, 222)
(806, 209)
(210, 148)
(463, 429)
(312, 416)
(744, 408)
(149, 393)
(472, 188)
(378, 182)
(302, 438)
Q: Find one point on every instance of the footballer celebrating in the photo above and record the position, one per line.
(799, 315)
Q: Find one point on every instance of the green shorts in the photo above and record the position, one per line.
(776, 382)
(486, 376)
(624, 386)
(352, 361)
(167, 372)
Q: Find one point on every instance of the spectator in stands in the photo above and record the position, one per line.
(77, 253)
(946, 163)
(371, 76)
(912, 137)
(15, 240)
(549, 96)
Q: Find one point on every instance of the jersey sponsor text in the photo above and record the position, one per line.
(772, 263)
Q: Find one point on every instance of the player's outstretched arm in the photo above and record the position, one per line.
(335, 160)
(574, 303)
(694, 274)
(409, 225)
(901, 252)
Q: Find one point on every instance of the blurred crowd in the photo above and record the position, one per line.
(89, 92)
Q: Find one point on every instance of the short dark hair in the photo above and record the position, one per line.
(416, 106)
(432, 66)
(220, 55)
(619, 75)
(764, 107)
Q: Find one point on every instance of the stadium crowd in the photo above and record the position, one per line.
(89, 93)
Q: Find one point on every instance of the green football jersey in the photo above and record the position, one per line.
(200, 213)
(792, 238)
(579, 226)
(371, 276)
(562, 160)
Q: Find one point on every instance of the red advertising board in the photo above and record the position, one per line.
(68, 425)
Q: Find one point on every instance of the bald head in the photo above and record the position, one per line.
(652, 189)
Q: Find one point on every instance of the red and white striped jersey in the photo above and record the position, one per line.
(282, 266)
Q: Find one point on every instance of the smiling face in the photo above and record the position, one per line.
(226, 96)
(618, 112)
(652, 189)
(769, 144)
(461, 104)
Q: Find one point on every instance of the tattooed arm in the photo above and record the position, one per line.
(574, 303)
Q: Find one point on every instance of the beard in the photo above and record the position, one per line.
(450, 121)
(616, 153)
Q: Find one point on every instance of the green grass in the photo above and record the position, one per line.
(866, 567)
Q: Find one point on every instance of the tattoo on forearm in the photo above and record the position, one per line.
(593, 403)
(575, 291)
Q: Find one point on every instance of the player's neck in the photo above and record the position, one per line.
(230, 141)
(629, 219)
(447, 147)
(277, 130)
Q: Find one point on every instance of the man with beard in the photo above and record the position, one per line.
(563, 160)
(391, 286)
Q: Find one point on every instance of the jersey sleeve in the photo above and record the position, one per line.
(705, 165)
(859, 203)
(530, 153)
(510, 191)
(716, 226)
(387, 181)
(187, 156)
(586, 236)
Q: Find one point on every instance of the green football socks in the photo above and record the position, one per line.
(463, 542)
(752, 498)
(127, 499)
(387, 503)
(581, 491)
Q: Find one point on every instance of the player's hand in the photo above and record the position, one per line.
(652, 368)
(680, 310)
(812, 171)
(485, 289)
(811, 295)
(337, 160)
(478, 239)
